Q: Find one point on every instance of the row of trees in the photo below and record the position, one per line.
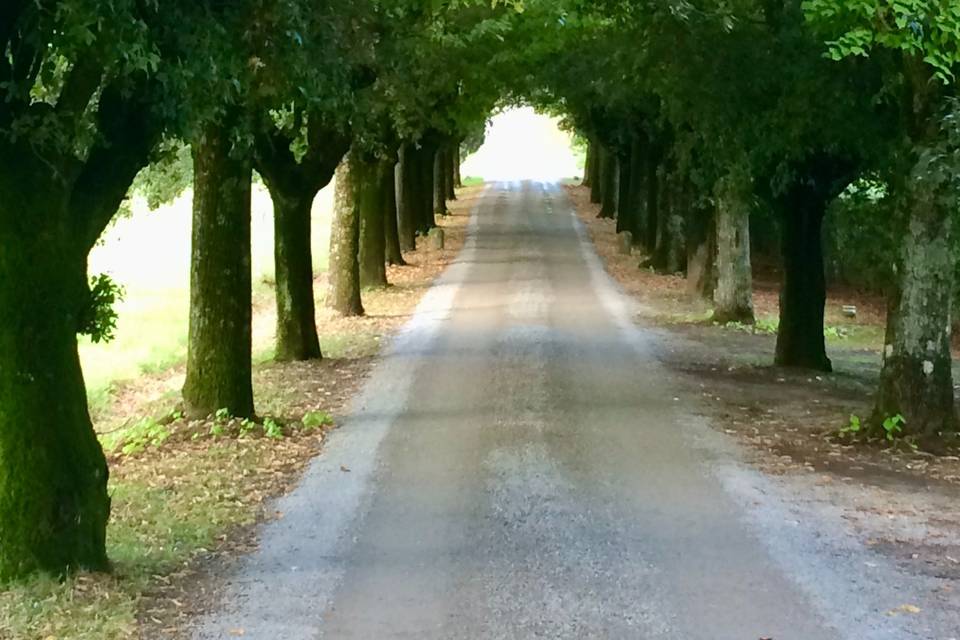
(708, 121)
(90, 91)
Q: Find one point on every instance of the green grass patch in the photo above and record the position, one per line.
(472, 181)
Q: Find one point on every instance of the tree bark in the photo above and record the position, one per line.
(53, 476)
(701, 254)
(916, 381)
(651, 216)
(219, 349)
(408, 198)
(391, 180)
(449, 180)
(588, 160)
(369, 180)
(608, 176)
(440, 182)
(425, 157)
(457, 163)
(596, 174)
(626, 206)
(343, 288)
(803, 291)
(733, 298)
(297, 337)
(670, 254)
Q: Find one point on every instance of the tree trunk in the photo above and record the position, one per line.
(916, 381)
(803, 291)
(449, 180)
(457, 162)
(588, 160)
(297, 337)
(670, 255)
(733, 298)
(701, 254)
(608, 176)
(651, 216)
(440, 182)
(391, 180)
(343, 288)
(408, 198)
(53, 476)
(626, 206)
(369, 180)
(219, 350)
(596, 174)
(425, 157)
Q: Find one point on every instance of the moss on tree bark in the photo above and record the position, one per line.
(733, 297)
(219, 347)
(343, 288)
(369, 180)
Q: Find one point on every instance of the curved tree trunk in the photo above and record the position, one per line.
(53, 476)
(343, 288)
(219, 349)
(608, 191)
(297, 337)
(733, 297)
(803, 292)
(390, 188)
(369, 180)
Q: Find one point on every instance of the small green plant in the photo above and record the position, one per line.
(222, 415)
(247, 427)
(893, 427)
(315, 420)
(272, 430)
(853, 427)
(217, 429)
(146, 433)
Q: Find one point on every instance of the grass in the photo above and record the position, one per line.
(472, 181)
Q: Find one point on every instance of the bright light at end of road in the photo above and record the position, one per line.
(523, 145)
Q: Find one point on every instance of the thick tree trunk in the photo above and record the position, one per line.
(408, 198)
(596, 174)
(297, 337)
(608, 192)
(916, 381)
(369, 179)
(701, 254)
(219, 350)
(343, 287)
(626, 206)
(440, 182)
(53, 476)
(733, 298)
(670, 255)
(425, 157)
(803, 292)
(391, 181)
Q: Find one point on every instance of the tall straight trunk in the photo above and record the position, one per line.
(596, 173)
(440, 182)
(733, 297)
(626, 205)
(608, 191)
(701, 254)
(408, 197)
(457, 164)
(369, 180)
(670, 254)
(53, 476)
(916, 381)
(425, 157)
(588, 161)
(391, 181)
(651, 216)
(343, 285)
(297, 337)
(449, 180)
(803, 291)
(219, 349)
